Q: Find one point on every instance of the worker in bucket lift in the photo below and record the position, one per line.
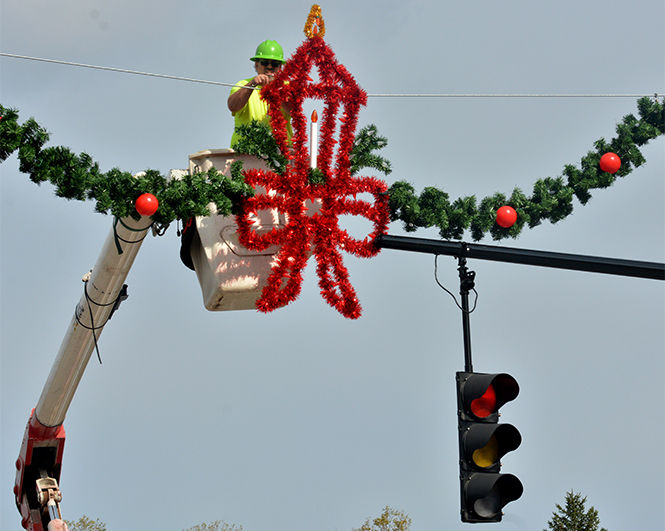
(245, 102)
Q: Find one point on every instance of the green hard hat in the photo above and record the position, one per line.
(269, 50)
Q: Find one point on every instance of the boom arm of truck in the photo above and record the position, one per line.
(40, 459)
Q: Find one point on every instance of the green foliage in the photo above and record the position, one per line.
(574, 517)
(389, 520)
(362, 154)
(255, 138)
(217, 525)
(316, 176)
(79, 177)
(551, 198)
(86, 524)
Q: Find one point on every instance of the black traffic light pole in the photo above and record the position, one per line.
(466, 284)
(462, 250)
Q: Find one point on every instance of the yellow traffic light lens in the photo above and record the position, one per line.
(488, 455)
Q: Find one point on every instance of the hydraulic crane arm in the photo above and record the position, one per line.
(40, 459)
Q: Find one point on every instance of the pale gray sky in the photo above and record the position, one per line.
(302, 420)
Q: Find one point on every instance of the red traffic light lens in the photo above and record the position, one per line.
(485, 405)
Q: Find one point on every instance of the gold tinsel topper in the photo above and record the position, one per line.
(315, 27)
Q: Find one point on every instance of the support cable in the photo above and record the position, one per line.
(369, 95)
(111, 69)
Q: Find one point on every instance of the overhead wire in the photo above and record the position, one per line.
(369, 95)
(112, 69)
(456, 95)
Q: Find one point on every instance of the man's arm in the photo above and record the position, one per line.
(240, 97)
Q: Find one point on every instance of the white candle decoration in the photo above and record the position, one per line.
(313, 141)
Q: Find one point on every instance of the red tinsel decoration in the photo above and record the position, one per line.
(320, 232)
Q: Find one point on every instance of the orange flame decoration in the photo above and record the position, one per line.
(315, 27)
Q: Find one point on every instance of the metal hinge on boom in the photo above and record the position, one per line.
(49, 496)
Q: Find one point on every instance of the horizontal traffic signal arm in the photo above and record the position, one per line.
(574, 262)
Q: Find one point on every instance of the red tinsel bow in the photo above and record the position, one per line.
(291, 192)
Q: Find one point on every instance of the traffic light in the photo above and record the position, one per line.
(483, 442)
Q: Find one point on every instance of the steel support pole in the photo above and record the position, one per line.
(466, 282)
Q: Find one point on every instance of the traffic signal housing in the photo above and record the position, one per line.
(483, 442)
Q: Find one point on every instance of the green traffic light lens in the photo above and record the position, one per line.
(488, 506)
(485, 405)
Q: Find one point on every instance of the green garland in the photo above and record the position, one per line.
(79, 177)
(256, 139)
(551, 199)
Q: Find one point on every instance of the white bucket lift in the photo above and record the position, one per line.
(231, 276)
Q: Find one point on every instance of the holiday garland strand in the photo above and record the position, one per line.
(551, 199)
(79, 177)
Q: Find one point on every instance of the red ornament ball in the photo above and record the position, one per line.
(610, 162)
(506, 216)
(146, 204)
